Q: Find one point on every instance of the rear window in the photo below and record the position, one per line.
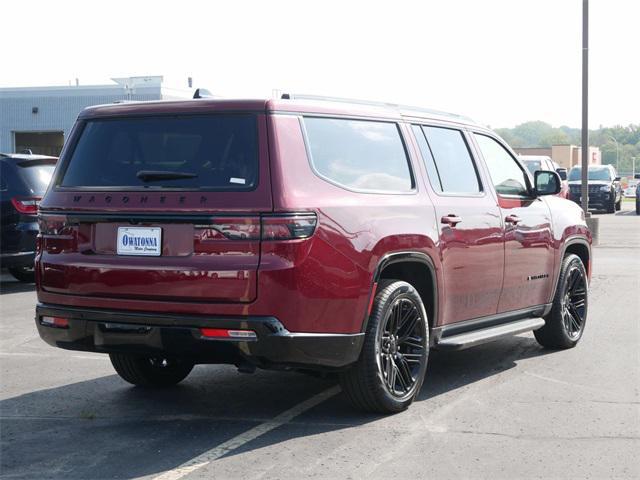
(359, 154)
(36, 178)
(533, 165)
(212, 152)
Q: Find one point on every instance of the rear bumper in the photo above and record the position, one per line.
(17, 259)
(110, 331)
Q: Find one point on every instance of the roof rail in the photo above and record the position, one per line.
(397, 106)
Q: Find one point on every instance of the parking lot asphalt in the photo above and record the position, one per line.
(507, 409)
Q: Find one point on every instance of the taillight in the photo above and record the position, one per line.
(268, 227)
(26, 205)
(56, 235)
(231, 228)
(288, 227)
(53, 225)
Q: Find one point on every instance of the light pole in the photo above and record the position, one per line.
(617, 151)
(584, 189)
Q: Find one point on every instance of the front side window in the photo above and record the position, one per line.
(507, 176)
(209, 152)
(449, 163)
(359, 154)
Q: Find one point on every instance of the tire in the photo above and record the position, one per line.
(611, 208)
(566, 321)
(23, 274)
(150, 371)
(376, 383)
(637, 207)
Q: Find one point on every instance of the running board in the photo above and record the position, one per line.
(477, 337)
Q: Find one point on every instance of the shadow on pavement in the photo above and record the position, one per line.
(103, 427)
(8, 284)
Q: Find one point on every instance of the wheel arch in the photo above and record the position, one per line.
(579, 246)
(411, 267)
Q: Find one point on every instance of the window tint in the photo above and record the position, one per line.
(533, 165)
(36, 177)
(594, 173)
(453, 170)
(359, 154)
(215, 152)
(507, 176)
(432, 171)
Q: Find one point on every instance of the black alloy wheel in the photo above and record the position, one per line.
(566, 321)
(401, 347)
(389, 373)
(574, 302)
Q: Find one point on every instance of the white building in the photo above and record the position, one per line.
(40, 118)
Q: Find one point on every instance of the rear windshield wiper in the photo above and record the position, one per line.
(151, 175)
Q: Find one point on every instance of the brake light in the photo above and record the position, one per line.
(26, 205)
(288, 227)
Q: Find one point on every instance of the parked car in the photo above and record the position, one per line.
(536, 163)
(630, 191)
(605, 191)
(23, 180)
(301, 234)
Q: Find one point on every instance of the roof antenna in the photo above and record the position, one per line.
(202, 93)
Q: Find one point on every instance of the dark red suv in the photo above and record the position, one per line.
(301, 234)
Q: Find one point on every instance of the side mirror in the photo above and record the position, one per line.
(562, 172)
(617, 179)
(547, 182)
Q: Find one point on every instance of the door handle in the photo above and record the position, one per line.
(451, 220)
(512, 219)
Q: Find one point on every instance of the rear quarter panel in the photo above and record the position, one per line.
(333, 277)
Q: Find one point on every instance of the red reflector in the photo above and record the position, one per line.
(57, 322)
(225, 333)
(26, 205)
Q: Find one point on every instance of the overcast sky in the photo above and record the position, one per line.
(501, 62)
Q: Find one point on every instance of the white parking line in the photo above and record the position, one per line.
(236, 442)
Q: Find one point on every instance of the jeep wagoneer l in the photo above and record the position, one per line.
(301, 234)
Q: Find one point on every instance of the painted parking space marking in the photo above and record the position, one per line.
(238, 441)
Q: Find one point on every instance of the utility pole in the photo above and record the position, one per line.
(584, 188)
(592, 222)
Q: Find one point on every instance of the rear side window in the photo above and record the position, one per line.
(208, 152)
(449, 163)
(359, 154)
